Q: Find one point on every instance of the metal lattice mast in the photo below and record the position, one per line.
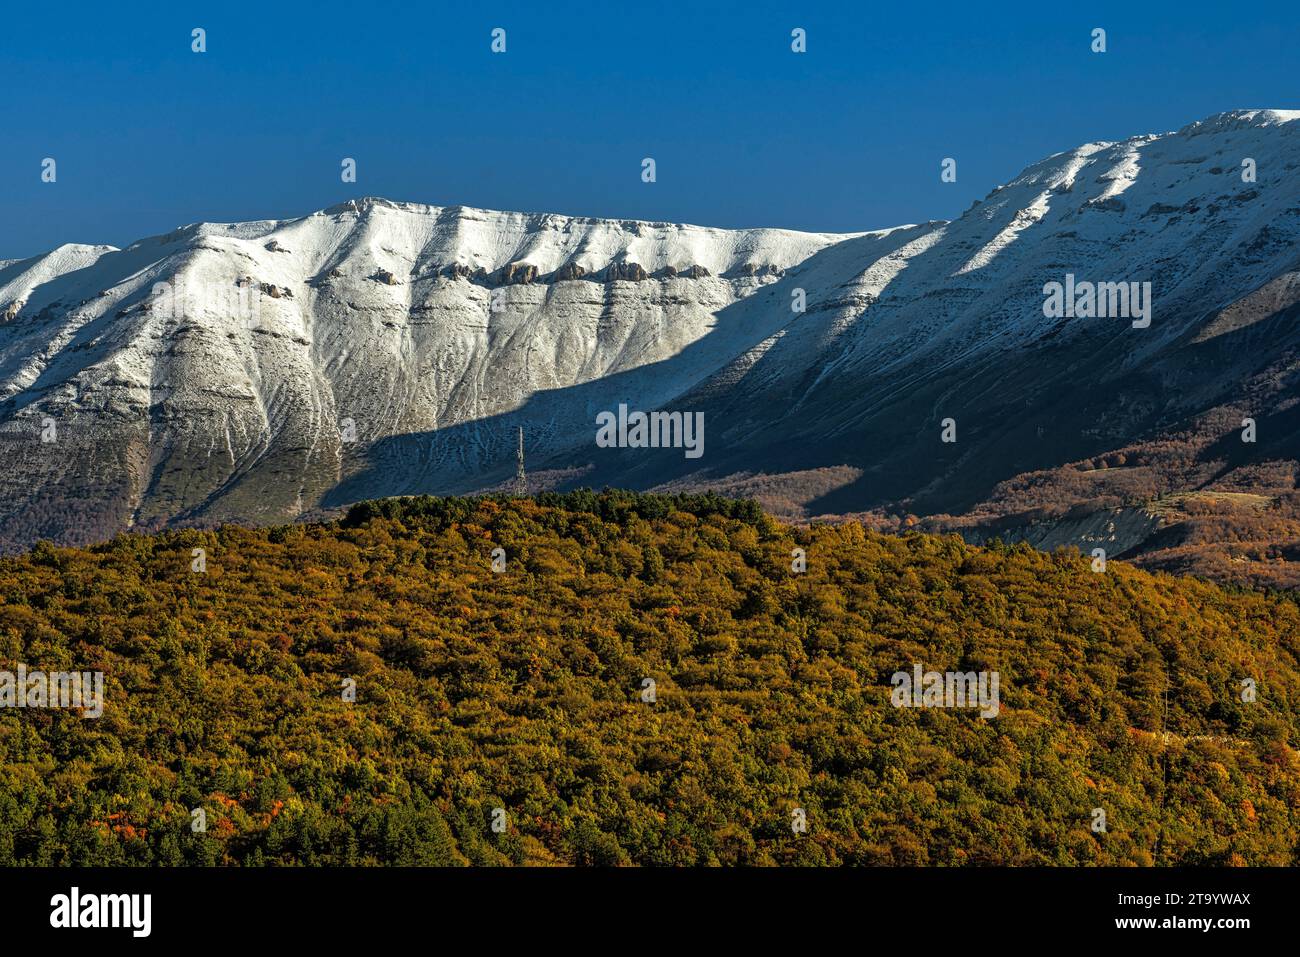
(521, 481)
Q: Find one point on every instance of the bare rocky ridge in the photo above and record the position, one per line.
(395, 347)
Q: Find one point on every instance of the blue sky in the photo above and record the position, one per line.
(847, 136)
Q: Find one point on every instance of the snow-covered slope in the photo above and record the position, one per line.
(952, 325)
(280, 359)
(383, 348)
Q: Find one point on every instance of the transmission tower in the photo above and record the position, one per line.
(521, 481)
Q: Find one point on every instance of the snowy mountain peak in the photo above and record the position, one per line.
(263, 370)
(1241, 119)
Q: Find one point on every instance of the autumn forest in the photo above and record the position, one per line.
(615, 678)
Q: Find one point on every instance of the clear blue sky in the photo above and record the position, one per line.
(848, 136)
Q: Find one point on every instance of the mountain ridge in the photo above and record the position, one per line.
(438, 331)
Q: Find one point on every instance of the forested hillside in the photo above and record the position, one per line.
(523, 689)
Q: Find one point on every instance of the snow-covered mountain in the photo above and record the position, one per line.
(380, 348)
(255, 371)
(1048, 412)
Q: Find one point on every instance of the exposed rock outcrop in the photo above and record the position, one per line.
(518, 274)
(1110, 204)
(462, 271)
(627, 271)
